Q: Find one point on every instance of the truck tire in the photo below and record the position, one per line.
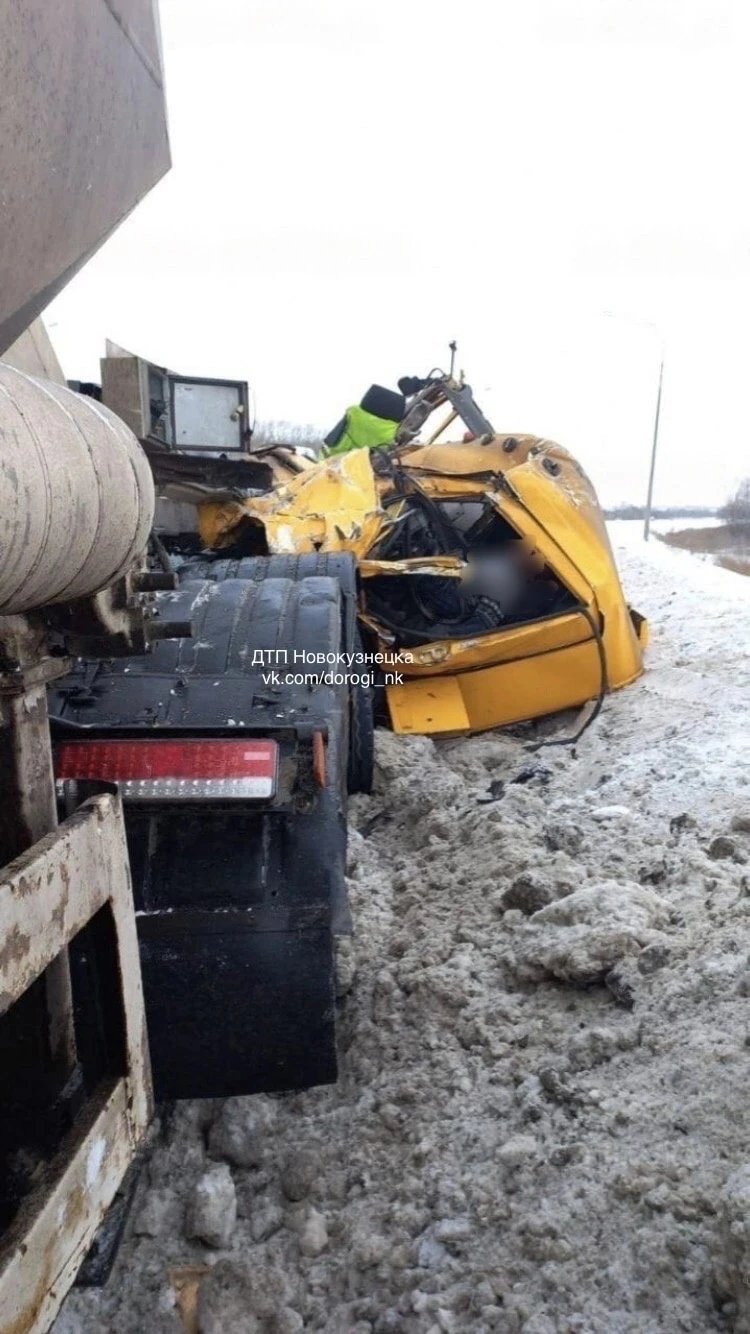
(339, 565)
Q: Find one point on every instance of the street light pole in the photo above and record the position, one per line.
(652, 469)
(648, 324)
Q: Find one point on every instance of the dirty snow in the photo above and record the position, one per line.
(541, 1120)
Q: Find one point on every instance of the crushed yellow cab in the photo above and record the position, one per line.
(486, 564)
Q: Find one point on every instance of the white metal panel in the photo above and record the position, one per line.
(207, 415)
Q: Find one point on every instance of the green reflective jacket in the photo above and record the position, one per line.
(364, 431)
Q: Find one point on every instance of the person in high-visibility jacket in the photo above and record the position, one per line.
(370, 424)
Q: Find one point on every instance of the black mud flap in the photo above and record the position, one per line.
(238, 1001)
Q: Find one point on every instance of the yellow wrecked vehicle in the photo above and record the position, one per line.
(484, 563)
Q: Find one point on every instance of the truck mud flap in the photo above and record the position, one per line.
(239, 1000)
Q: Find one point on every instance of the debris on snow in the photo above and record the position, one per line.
(213, 1208)
(313, 1235)
(266, 1220)
(159, 1214)
(722, 847)
(517, 1150)
(240, 1134)
(528, 893)
(245, 1297)
(580, 937)
(298, 1175)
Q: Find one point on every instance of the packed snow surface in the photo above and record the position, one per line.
(541, 1120)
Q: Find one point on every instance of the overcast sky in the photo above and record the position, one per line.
(356, 182)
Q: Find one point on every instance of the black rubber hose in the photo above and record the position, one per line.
(603, 690)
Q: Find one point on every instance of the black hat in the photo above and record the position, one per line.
(411, 384)
(384, 403)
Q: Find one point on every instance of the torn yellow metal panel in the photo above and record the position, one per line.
(496, 695)
(432, 705)
(517, 641)
(332, 506)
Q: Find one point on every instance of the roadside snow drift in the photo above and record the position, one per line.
(541, 1121)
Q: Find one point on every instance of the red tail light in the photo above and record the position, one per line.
(190, 770)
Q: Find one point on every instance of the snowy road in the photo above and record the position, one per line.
(541, 1121)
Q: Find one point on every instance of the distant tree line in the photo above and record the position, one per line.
(287, 433)
(735, 510)
(664, 512)
(737, 507)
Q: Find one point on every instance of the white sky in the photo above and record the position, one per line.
(356, 182)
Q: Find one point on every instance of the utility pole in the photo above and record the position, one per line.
(652, 469)
(648, 324)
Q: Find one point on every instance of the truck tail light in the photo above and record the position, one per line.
(190, 770)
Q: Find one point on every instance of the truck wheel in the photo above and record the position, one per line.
(338, 565)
